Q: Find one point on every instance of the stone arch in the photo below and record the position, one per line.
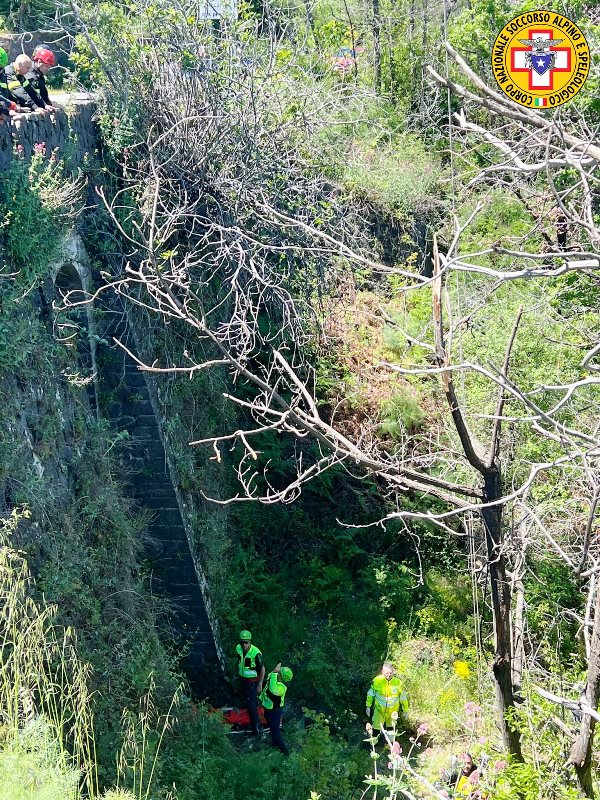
(73, 318)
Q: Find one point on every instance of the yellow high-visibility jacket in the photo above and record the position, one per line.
(387, 696)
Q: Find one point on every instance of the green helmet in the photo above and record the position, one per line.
(245, 636)
(3, 57)
(286, 674)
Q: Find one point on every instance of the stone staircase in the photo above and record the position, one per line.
(125, 399)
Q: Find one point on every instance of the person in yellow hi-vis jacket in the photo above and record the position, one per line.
(386, 697)
(272, 698)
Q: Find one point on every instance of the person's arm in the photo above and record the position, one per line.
(43, 91)
(261, 672)
(370, 700)
(6, 106)
(404, 702)
(20, 93)
(4, 93)
(31, 87)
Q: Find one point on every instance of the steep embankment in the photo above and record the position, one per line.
(79, 450)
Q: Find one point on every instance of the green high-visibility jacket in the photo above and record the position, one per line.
(247, 666)
(387, 696)
(273, 695)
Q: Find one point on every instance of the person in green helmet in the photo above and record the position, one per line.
(251, 671)
(273, 700)
(7, 103)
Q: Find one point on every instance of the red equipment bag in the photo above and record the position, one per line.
(240, 718)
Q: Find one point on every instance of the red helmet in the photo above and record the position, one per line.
(44, 55)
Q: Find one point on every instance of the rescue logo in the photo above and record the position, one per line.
(540, 59)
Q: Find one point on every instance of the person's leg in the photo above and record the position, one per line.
(274, 719)
(378, 718)
(251, 702)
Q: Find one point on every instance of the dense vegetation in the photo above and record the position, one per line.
(273, 212)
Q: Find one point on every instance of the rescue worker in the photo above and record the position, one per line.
(252, 674)
(273, 700)
(20, 90)
(6, 102)
(386, 697)
(462, 782)
(43, 61)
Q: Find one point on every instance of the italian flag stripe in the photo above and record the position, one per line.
(540, 102)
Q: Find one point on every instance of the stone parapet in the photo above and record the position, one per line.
(70, 132)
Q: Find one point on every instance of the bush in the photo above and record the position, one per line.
(36, 202)
(32, 766)
(401, 414)
(398, 177)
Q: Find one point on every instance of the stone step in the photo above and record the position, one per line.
(135, 378)
(147, 419)
(176, 549)
(169, 564)
(158, 503)
(136, 408)
(168, 517)
(201, 642)
(167, 533)
(197, 621)
(155, 487)
(146, 433)
(146, 450)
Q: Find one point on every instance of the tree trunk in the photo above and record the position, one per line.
(499, 583)
(581, 752)
(518, 636)
(376, 29)
(487, 464)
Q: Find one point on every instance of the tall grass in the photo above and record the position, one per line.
(47, 747)
(45, 706)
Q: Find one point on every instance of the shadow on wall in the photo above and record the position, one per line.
(70, 133)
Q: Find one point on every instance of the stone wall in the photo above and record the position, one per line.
(70, 132)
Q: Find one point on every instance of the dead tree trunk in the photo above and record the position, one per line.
(376, 30)
(581, 752)
(487, 463)
(500, 590)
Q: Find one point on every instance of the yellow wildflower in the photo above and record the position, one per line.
(461, 668)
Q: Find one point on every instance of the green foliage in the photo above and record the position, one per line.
(31, 767)
(47, 737)
(398, 176)
(401, 414)
(440, 685)
(205, 763)
(36, 202)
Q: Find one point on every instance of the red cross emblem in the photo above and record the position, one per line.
(519, 61)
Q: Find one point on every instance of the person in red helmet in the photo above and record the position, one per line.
(43, 60)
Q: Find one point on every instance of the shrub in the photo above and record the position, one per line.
(47, 722)
(398, 176)
(32, 766)
(401, 414)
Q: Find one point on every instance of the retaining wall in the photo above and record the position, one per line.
(70, 132)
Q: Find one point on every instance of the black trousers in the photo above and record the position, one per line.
(273, 717)
(250, 689)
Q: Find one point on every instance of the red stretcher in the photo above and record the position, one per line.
(239, 718)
